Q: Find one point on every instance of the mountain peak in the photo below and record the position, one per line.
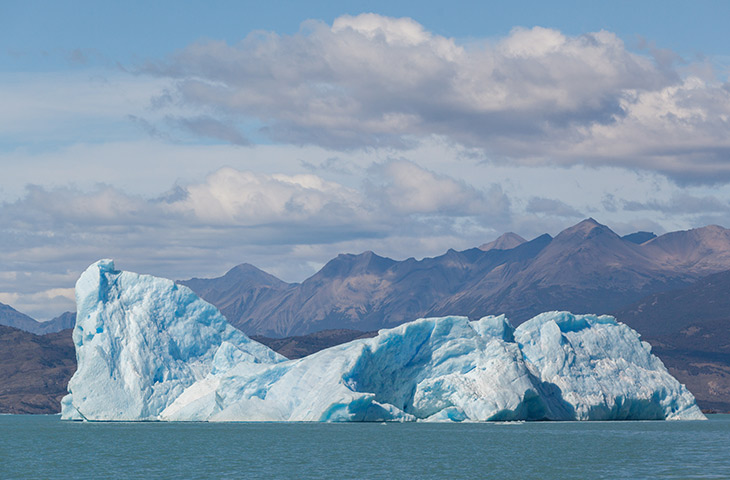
(504, 242)
(585, 229)
(244, 268)
(248, 272)
(587, 224)
(348, 263)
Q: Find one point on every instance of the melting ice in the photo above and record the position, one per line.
(148, 349)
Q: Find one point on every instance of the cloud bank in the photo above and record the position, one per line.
(535, 97)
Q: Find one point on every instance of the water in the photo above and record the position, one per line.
(45, 447)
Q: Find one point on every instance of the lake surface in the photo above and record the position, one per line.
(46, 447)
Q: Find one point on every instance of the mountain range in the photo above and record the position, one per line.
(585, 268)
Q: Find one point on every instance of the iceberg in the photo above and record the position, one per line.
(151, 350)
(141, 341)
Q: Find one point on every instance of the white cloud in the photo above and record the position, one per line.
(409, 188)
(679, 130)
(231, 197)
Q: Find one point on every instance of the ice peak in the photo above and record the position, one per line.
(105, 265)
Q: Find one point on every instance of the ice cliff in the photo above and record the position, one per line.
(148, 349)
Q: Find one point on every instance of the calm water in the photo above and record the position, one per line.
(45, 447)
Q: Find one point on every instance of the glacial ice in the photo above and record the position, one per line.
(141, 341)
(149, 349)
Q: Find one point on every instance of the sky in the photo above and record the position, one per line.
(183, 138)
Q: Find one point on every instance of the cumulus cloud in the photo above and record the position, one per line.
(536, 96)
(290, 224)
(231, 197)
(404, 187)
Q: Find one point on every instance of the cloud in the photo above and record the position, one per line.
(534, 97)
(231, 197)
(682, 203)
(331, 164)
(104, 205)
(405, 187)
(207, 126)
(552, 207)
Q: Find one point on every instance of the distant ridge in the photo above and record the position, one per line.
(10, 317)
(585, 268)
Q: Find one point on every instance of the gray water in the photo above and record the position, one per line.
(46, 447)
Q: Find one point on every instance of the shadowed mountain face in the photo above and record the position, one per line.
(586, 268)
(689, 329)
(34, 370)
(675, 311)
(639, 237)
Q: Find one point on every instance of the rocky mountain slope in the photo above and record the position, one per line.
(34, 370)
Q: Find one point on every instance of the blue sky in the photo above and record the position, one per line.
(182, 138)
(128, 31)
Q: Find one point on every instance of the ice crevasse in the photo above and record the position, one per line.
(149, 349)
